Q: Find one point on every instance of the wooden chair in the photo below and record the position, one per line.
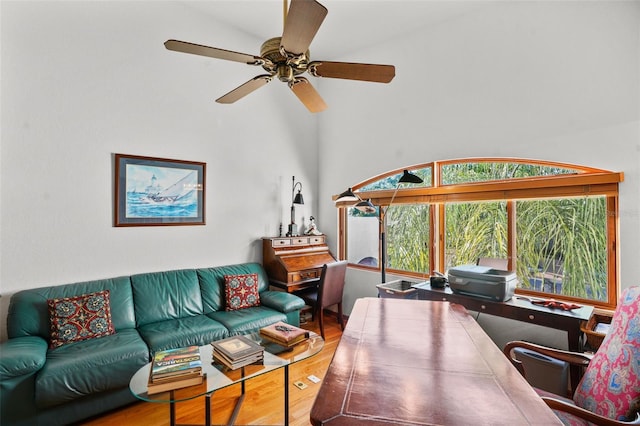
(328, 292)
(609, 391)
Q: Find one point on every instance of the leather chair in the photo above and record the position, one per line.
(609, 391)
(328, 292)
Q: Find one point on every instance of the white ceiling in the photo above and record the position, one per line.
(349, 26)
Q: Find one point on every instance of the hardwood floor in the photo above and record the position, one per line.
(264, 399)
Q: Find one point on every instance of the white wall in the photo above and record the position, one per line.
(548, 80)
(83, 80)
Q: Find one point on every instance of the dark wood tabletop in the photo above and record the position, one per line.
(414, 362)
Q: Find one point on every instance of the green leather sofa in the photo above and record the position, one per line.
(150, 312)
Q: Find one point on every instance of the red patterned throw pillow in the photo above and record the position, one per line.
(241, 291)
(79, 318)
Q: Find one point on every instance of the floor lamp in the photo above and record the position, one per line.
(368, 207)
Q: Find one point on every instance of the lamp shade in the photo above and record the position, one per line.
(347, 195)
(366, 206)
(409, 178)
(298, 199)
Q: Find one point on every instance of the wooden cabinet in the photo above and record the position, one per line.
(293, 263)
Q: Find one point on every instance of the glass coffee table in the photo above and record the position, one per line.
(218, 376)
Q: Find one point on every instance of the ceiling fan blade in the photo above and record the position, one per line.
(307, 94)
(244, 89)
(213, 52)
(302, 23)
(353, 71)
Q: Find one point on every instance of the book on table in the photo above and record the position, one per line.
(176, 363)
(183, 381)
(218, 358)
(237, 351)
(284, 334)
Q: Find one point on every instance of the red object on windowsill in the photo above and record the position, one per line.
(554, 304)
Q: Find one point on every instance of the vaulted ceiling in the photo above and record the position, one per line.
(349, 26)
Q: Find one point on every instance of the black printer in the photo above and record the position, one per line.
(483, 281)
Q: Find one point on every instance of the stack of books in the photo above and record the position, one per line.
(284, 334)
(237, 351)
(175, 369)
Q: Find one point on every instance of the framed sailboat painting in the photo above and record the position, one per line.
(158, 191)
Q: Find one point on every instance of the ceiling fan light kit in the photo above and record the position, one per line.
(287, 57)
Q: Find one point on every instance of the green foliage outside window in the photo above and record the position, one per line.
(475, 230)
(408, 238)
(483, 172)
(561, 244)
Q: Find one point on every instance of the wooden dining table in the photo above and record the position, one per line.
(409, 362)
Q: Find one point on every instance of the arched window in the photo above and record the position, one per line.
(555, 224)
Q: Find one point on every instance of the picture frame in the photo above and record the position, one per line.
(158, 191)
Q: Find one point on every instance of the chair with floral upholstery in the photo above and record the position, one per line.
(609, 391)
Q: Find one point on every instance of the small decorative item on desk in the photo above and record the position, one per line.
(237, 351)
(284, 334)
(551, 303)
(554, 304)
(438, 280)
(174, 369)
(312, 229)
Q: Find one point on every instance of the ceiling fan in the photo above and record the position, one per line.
(287, 57)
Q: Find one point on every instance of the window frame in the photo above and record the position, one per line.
(587, 181)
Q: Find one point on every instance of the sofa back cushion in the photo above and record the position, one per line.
(212, 283)
(161, 296)
(29, 311)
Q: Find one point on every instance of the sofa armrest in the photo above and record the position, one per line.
(22, 356)
(281, 301)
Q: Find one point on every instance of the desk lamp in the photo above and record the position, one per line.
(293, 232)
(368, 207)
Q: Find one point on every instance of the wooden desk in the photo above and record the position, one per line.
(422, 363)
(294, 263)
(517, 309)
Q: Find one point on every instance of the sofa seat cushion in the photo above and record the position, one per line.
(196, 330)
(90, 366)
(248, 320)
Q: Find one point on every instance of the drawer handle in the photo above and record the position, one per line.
(532, 317)
(483, 307)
